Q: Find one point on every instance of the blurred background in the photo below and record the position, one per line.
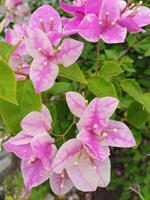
(130, 179)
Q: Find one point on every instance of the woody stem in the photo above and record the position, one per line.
(61, 197)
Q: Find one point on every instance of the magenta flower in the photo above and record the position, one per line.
(34, 146)
(44, 68)
(134, 17)
(96, 131)
(85, 172)
(107, 20)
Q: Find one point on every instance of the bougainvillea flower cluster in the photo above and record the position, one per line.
(82, 162)
(108, 20)
(42, 44)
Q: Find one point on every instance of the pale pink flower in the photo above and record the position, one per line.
(17, 60)
(96, 131)
(85, 172)
(44, 68)
(34, 146)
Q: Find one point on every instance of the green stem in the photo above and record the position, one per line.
(68, 129)
(97, 57)
(137, 192)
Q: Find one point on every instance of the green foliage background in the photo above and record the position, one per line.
(124, 72)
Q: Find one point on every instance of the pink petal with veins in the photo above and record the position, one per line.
(119, 135)
(60, 183)
(92, 145)
(23, 151)
(71, 8)
(43, 149)
(114, 34)
(89, 28)
(70, 51)
(50, 19)
(93, 7)
(67, 155)
(34, 174)
(103, 169)
(83, 175)
(142, 16)
(97, 112)
(76, 103)
(38, 45)
(43, 74)
(37, 122)
(110, 9)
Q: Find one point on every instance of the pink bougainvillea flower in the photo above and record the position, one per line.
(133, 16)
(86, 173)
(82, 10)
(34, 146)
(107, 20)
(36, 153)
(17, 60)
(44, 68)
(96, 131)
(48, 20)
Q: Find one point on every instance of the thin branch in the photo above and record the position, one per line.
(22, 74)
(68, 129)
(137, 192)
(97, 57)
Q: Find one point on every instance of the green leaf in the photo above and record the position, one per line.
(127, 63)
(28, 101)
(111, 54)
(137, 135)
(59, 88)
(132, 88)
(101, 87)
(110, 68)
(141, 115)
(53, 112)
(6, 50)
(7, 83)
(73, 73)
(146, 101)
